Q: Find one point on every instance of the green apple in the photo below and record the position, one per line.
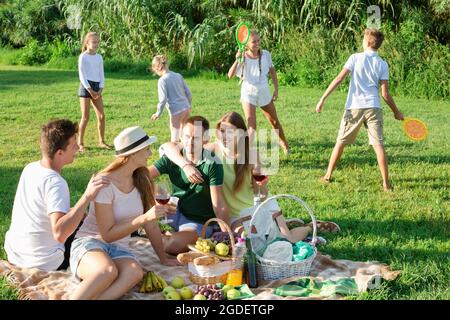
(233, 294)
(168, 289)
(186, 293)
(222, 249)
(178, 282)
(173, 295)
(199, 296)
(227, 288)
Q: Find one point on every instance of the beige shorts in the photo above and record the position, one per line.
(351, 122)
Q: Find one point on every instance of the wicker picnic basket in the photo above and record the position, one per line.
(273, 270)
(216, 273)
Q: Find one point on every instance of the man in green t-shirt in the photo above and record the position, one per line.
(197, 202)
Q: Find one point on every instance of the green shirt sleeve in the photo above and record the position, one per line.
(216, 174)
(162, 165)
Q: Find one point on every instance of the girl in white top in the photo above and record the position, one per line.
(100, 254)
(92, 82)
(172, 89)
(255, 91)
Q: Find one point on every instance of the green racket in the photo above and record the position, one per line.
(242, 36)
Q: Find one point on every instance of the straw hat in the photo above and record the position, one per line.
(131, 140)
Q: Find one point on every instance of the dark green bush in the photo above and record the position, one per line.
(35, 53)
(22, 21)
(177, 60)
(126, 66)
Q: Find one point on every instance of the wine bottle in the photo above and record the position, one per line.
(251, 265)
(244, 272)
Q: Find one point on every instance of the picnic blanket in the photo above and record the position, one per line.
(34, 284)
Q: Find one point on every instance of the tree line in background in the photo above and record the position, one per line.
(310, 40)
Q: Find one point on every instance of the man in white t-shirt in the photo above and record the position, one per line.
(368, 72)
(42, 221)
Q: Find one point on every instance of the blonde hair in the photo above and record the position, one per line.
(374, 38)
(160, 62)
(141, 180)
(254, 33)
(86, 39)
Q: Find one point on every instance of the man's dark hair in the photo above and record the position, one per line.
(192, 120)
(55, 135)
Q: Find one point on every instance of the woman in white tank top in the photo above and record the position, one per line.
(100, 254)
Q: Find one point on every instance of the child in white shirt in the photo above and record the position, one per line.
(368, 72)
(255, 90)
(92, 82)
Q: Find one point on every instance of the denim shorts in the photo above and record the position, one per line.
(181, 223)
(83, 93)
(82, 245)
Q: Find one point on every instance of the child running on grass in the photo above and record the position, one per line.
(172, 89)
(255, 90)
(92, 78)
(368, 72)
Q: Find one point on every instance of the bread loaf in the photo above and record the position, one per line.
(206, 261)
(186, 257)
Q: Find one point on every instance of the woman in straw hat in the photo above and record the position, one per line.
(100, 254)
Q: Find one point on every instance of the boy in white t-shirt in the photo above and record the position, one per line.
(42, 221)
(368, 71)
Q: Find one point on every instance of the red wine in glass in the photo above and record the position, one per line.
(162, 197)
(162, 201)
(259, 177)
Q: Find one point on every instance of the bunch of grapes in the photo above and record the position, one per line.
(211, 292)
(204, 245)
(224, 237)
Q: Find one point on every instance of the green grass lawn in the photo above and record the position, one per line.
(409, 229)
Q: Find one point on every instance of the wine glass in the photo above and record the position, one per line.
(162, 197)
(260, 177)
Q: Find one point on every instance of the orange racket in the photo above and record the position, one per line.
(415, 129)
(242, 36)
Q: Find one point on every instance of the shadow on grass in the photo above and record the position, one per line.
(362, 157)
(398, 232)
(384, 254)
(11, 79)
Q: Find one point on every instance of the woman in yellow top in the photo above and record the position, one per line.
(233, 149)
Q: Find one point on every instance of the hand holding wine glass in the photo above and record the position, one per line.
(162, 197)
